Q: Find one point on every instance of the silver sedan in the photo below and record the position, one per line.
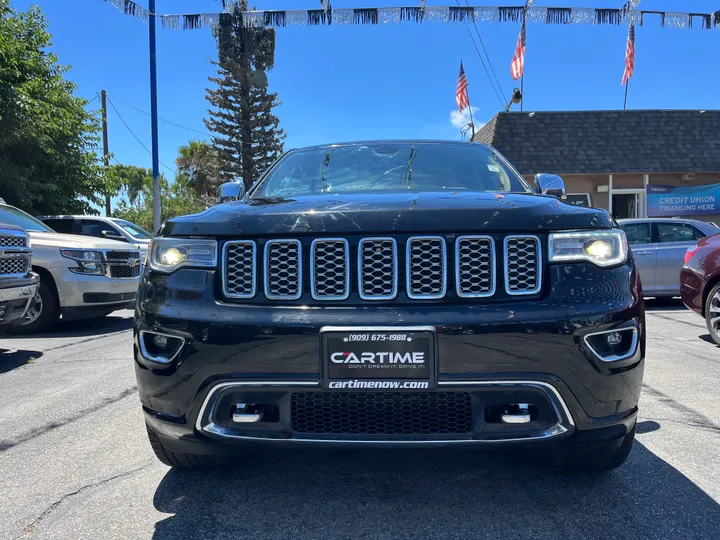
(659, 246)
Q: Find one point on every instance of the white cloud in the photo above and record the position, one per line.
(460, 119)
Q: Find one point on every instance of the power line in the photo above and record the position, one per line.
(477, 31)
(697, 93)
(138, 138)
(93, 99)
(482, 61)
(163, 119)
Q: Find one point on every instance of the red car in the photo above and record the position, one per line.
(700, 282)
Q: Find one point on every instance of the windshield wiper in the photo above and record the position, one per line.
(323, 169)
(413, 153)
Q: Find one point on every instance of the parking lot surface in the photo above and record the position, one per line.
(75, 461)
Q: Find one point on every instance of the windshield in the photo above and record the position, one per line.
(390, 167)
(14, 216)
(132, 229)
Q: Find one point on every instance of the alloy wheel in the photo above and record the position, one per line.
(35, 310)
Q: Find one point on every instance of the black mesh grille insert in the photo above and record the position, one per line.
(381, 413)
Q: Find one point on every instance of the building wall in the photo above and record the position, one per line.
(588, 183)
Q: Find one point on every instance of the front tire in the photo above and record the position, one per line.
(600, 456)
(180, 460)
(712, 314)
(43, 313)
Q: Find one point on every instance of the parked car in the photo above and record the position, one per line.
(700, 282)
(391, 294)
(659, 246)
(18, 283)
(79, 277)
(102, 227)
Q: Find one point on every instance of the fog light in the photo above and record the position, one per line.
(614, 338)
(613, 345)
(160, 348)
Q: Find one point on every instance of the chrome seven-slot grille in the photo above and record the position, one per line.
(373, 265)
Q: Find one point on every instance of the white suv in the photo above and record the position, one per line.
(80, 277)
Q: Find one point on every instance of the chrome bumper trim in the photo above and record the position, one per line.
(17, 293)
(204, 424)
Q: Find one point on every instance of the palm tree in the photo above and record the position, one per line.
(198, 162)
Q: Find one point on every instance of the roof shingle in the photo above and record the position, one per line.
(587, 142)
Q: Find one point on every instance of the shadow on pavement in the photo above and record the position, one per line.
(664, 304)
(708, 339)
(83, 328)
(10, 360)
(436, 493)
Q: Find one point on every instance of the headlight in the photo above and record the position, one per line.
(603, 248)
(169, 254)
(88, 262)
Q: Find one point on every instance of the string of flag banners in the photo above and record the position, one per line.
(426, 14)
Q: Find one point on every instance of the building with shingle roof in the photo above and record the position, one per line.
(607, 158)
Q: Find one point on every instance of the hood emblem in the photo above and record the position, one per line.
(132, 263)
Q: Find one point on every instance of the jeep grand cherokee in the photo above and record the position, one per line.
(391, 294)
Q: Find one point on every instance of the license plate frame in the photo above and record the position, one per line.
(390, 372)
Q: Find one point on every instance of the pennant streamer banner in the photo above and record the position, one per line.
(428, 14)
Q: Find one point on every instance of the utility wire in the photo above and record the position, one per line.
(137, 138)
(499, 96)
(93, 99)
(163, 119)
(477, 31)
(697, 93)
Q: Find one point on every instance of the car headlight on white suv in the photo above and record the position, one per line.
(603, 248)
(168, 254)
(88, 261)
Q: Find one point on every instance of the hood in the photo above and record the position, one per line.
(389, 213)
(59, 240)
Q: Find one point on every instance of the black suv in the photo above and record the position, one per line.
(391, 294)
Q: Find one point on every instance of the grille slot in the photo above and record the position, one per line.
(124, 271)
(381, 413)
(122, 255)
(475, 266)
(283, 269)
(14, 265)
(426, 267)
(239, 269)
(377, 268)
(523, 264)
(330, 269)
(13, 241)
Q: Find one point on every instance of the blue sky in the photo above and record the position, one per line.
(368, 82)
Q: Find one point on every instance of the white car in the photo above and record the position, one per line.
(80, 277)
(102, 227)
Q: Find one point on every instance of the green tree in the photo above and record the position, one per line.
(246, 132)
(178, 199)
(47, 138)
(125, 180)
(198, 162)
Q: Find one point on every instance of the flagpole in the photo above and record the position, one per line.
(627, 86)
(522, 90)
(472, 122)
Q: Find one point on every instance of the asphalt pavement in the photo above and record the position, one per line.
(75, 462)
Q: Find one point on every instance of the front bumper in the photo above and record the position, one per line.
(267, 354)
(84, 291)
(15, 297)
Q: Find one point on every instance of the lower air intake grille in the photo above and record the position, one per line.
(522, 264)
(381, 413)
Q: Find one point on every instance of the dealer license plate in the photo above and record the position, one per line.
(378, 358)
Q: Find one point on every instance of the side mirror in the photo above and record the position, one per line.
(230, 191)
(550, 184)
(113, 236)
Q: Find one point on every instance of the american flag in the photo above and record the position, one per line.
(517, 67)
(461, 93)
(629, 56)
